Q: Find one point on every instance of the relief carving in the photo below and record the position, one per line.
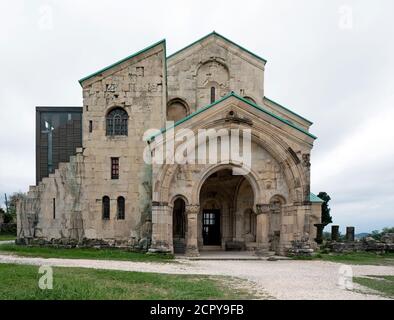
(192, 209)
(306, 160)
(269, 175)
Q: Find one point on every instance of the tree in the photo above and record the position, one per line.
(10, 214)
(377, 235)
(325, 209)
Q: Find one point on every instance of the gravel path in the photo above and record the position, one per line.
(280, 279)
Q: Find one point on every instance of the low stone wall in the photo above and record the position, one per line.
(366, 245)
(131, 245)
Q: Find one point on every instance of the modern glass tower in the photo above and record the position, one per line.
(58, 134)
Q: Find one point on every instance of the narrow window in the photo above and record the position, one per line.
(213, 94)
(90, 126)
(54, 208)
(106, 208)
(121, 208)
(114, 168)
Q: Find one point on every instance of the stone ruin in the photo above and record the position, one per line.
(367, 244)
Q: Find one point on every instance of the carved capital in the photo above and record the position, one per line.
(192, 209)
(262, 208)
(275, 207)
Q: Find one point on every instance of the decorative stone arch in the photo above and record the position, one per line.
(250, 98)
(274, 145)
(112, 107)
(279, 198)
(176, 197)
(252, 178)
(174, 110)
(209, 74)
(214, 60)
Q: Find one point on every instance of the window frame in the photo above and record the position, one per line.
(213, 94)
(116, 122)
(115, 166)
(121, 208)
(106, 208)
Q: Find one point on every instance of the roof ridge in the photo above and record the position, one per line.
(121, 61)
(220, 36)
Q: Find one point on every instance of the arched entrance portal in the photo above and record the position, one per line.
(226, 220)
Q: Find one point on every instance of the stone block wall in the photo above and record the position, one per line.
(214, 63)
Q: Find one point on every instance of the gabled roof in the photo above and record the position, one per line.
(288, 110)
(121, 61)
(214, 33)
(232, 94)
(314, 198)
(172, 55)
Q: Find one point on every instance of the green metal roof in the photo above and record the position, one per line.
(121, 61)
(314, 198)
(214, 33)
(284, 108)
(232, 94)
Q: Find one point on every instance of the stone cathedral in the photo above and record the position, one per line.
(106, 194)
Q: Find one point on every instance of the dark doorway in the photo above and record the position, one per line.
(179, 226)
(211, 228)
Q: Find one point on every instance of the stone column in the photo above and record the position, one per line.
(161, 223)
(350, 234)
(239, 226)
(262, 229)
(319, 234)
(287, 228)
(192, 230)
(334, 233)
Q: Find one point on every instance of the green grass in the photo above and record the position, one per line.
(83, 253)
(383, 284)
(361, 258)
(356, 258)
(6, 237)
(20, 282)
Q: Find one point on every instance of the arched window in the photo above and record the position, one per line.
(121, 208)
(106, 208)
(117, 122)
(213, 94)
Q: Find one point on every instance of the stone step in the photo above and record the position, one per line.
(211, 248)
(179, 246)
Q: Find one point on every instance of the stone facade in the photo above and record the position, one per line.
(212, 84)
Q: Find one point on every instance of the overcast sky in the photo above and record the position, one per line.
(330, 61)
